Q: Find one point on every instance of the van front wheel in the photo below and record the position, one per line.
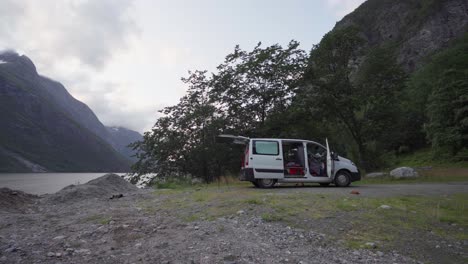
(266, 183)
(342, 179)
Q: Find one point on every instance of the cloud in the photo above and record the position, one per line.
(89, 31)
(343, 7)
(75, 42)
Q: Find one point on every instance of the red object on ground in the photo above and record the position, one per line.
(355, 192)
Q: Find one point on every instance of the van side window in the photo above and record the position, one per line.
(263, 147)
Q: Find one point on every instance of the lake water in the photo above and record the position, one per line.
(42, 183)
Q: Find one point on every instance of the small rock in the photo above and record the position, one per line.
(404, 172)
(230, 258)
(58, 255)
(370, 245)
(384, 206)
(11, 249)
(380, 253)
(116, 196)
(138, 245)
(437, 246)
(111, 222)
(58, 237)
(240, 212)
(355, 192)
(197, 181)
(83, 251)
(196, 227)
(50, 254)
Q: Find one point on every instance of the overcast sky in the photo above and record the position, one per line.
(125, 58)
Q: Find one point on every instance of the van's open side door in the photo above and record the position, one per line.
(330, 165)
(267, 159)
(232, 139)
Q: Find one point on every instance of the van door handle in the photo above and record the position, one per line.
(278, 159)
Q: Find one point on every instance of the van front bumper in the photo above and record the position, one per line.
(247, 174)
(355, 176)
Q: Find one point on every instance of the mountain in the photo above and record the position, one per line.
(394, 73)
(414, 29)
(43, 128)
(121, 138)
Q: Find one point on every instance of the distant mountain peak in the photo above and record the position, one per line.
(10, 56)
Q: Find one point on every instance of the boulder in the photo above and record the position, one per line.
(403, 173)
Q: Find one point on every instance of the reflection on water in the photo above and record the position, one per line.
(41, 183)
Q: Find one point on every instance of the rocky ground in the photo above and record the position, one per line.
(92, 223)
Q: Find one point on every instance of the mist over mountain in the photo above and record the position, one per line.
(45, 129)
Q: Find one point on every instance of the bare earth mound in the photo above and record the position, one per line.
(103, 187)
(15, 201)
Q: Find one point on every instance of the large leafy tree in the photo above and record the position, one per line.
(447, 110)
(246, 89)
(360, 100)
(182, 140)
(250, 86)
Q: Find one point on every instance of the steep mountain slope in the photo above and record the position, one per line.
(121, 138)
(84, 116)
(393, 72)
(38, 133)
(415, 29)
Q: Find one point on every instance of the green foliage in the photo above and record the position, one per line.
(362, 102)
(353, 94)
(247, 88)
(440, 90)
(174, 183)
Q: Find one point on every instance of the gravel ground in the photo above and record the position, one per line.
(83, 225)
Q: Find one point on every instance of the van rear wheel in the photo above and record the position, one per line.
(342, 179)
(266, 183)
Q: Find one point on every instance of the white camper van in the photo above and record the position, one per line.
(267, 161)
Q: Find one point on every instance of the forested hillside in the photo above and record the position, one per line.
(389, 79)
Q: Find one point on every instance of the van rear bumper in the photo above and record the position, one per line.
(247, 174)
(355, 176)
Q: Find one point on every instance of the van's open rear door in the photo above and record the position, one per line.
(329, 161)
(232, 139)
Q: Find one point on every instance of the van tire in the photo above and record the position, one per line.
(266, 183)
(342, 179)
(325, 184)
